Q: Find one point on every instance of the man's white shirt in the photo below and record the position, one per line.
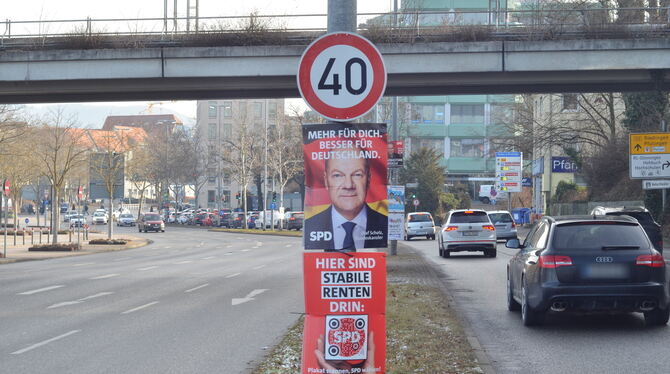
(361, 221)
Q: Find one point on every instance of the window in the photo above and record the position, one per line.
(227, 132)
(436, 144)
(428, 114)
(211, 175)
(467, 113)
(243, 110)
(467, 148)
(227, 109)
(570, 102)
(272, 111)
(211, 196)
(472, 217)
(501, 113)
(211, 109)
(539, 239)
(258, 110)
(211, 131)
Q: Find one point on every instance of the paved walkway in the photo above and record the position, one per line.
(20, 251)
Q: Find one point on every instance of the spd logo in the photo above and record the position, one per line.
(316, 236)
(346, 337)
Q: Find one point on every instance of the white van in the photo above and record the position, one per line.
(485, 194)
(271, 215)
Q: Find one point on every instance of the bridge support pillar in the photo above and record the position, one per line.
(341, 15)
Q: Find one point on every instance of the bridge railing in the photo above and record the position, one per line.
(406, 22)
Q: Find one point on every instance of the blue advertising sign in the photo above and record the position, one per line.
(563, 165)
(396, 196)
(527, 182)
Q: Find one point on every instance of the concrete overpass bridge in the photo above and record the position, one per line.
(431, 68)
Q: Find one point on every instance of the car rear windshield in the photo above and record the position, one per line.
(469, 217)
(420, 218)
(643, 217)
(152, 217)
(126, 216)
(599, 236)
(500, 217)
(298, 215)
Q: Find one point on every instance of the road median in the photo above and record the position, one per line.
(424, 333)
(297, 234)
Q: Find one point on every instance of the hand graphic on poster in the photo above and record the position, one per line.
(367, 366)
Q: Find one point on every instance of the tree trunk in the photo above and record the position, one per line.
(244, 197)
(110, 217)
(139, 205)
(55, 210)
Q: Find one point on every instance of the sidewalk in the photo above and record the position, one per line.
(19, 252)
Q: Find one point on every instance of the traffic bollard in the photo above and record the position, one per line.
(69, 232)
(24, 236)
(40, 236)
(14, 235)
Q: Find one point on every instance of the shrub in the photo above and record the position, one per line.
(65, 247)
(107, 241)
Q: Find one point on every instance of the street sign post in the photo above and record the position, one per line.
(341, 76)
(509, 170)
(649, 155)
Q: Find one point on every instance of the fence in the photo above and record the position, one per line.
(567, 209)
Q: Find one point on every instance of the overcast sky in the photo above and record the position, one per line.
(33, 10)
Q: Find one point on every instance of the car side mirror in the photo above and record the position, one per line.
(513, 243)
(438, 222)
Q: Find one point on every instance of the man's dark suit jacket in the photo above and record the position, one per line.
(323, 222)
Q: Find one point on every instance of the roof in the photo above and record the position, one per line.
(582, 218)
(621, 209)
(119, 140)
(153, 124)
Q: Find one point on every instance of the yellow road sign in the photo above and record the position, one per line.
(649, 143)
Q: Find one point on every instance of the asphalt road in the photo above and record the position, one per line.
(192, 302)
(565, 344)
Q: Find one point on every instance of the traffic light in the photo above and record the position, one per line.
(413, 196)
(274, 197)
(237, 196)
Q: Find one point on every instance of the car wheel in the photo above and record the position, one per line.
(657, 317)
(447, 253)
(162, 230)
(493, 252)
(486, 200)
(432, 237)
(512, 305)
(139, 229)
(529, 316)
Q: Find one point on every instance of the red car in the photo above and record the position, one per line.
(151, 222)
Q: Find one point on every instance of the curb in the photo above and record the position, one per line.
(483, 358)
(261, 232)
(146, 242)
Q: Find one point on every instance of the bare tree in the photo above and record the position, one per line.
(139, 171)
(58, 152)
(285, 153)
(12, 126)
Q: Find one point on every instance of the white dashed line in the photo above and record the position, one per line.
(208, 258)
(233, 275)
(247, 250)
(24, 350)
(147, 268)
(229, 254)
(40, 290)
(140, 307)
(258, 267)
(229, 246)
(84, 264)
(68, 303)
(288, 245)
(197, 288)
(183, 262)
(105, 276)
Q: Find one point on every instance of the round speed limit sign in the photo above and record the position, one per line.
(341, 76)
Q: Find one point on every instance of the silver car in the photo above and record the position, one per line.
(125, 219)
(419, 224)
(467, 230)
(504, 224)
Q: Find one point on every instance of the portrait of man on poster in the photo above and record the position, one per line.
(351, 222)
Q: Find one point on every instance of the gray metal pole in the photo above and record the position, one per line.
(265, 177)
(342, 15)
(393, 245)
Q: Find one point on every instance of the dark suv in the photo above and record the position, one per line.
(642, 215)
(592, 264)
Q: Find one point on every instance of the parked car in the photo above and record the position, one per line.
(419, 224)
(184, 218)
(64, 207)
(126, 219)
(224, 219)
(117, 213)
(504, 224)
(100, 218)
(68, 215)
(236, 221)
(587, 264)
(199, 217)
(272, 215)
(150, 222)
(294, 220)
(642, 215)
(77, 220)
(467, 230)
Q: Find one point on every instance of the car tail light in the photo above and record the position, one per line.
(513, 225)
(489, 227)
(468, 212)
(292, 219)
(655, 260)
(451, 228)
(552, 262)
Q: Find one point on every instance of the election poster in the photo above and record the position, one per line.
(396, 197)
(396, 150)
(346, 206)
(345, 306)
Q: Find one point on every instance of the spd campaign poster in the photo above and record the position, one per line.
(396, 197)
(346, 206)
(345, 306)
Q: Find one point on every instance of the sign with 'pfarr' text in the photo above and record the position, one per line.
(345, 303)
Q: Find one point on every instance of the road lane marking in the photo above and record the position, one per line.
(40, 290)
(147, 268)
(229, 253)
(183, 262)
(229, 246)
(233, 275)
(75, 302)
(167, 247)
(105, 276)
(24, 350)
(288, 245)
(123, 258)
(84, 264)
(140, 307)
(247, 250)
(208, 258)
(259, 267)
(197, 288)
(249, 297)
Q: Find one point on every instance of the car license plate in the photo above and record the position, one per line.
(607, 271)
(470, 233)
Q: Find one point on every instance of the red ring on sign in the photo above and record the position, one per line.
(378, 72)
